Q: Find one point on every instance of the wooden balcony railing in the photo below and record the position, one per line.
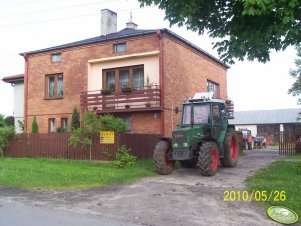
(143, 99)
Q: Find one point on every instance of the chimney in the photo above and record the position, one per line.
(131, 25)
(108, 22)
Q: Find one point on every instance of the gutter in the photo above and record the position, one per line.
(161, 80)
(25, 90)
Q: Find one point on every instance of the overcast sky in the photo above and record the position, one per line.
(33, 24)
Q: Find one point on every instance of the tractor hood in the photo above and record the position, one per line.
(185, 137)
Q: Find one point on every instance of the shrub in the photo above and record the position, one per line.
(61, 130)
(6, 133)
(75, 123)
(34, 126)
(123, 158)
(111, 123)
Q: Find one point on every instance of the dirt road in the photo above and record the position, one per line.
(182, 198)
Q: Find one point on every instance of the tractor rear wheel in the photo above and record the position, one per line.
(208, 158)
(162, 164)
(231, 149)
(190, 163)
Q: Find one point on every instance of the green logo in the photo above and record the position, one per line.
(282, 215)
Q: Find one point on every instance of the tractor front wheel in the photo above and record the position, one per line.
(208, 158)
(231, 149)
(162, 162)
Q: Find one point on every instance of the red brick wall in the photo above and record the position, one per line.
(146, 122)
(74, 66)
(185, 73)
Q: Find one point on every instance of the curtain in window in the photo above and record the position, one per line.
(123, 78)
(110, 80)
(51, 86)
(138, 78)
(60, 85)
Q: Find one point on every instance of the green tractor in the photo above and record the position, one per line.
(204, 137)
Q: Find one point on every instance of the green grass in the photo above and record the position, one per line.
(280, 176)
(68, 174)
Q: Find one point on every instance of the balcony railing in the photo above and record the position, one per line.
(143, 99)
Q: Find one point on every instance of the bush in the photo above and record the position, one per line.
(6, 133)
(34, 126)
(9, 121)
(111, 123)
(61, 130)
(123, 158)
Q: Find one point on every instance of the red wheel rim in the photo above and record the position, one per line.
(233, 148)
(214, 159)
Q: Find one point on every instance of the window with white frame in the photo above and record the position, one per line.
(213, 87)
(56, 57)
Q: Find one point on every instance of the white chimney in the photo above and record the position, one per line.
(131, 25)
(108, 22)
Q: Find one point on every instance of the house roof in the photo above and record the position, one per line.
(278, 116)
(13, 78)
(127, 32)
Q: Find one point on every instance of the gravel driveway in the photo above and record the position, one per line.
(182, 198)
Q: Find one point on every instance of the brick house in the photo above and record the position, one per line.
(143, 75)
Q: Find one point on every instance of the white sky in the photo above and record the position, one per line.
(27, 25)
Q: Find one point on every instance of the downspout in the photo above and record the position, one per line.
(161, 80)
(25, 91)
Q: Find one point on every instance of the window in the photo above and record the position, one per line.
(201, 113)
(128, 121)
(51, 125)
(110, 80)
(64, 123)
(133, 76)
(186, 115)
(119, 47)
(56, 57)
(124, 78)
(54, 86)
(213, 87)
(138, 78)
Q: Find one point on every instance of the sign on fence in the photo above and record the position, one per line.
(107, 137)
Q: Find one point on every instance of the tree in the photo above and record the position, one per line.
(34, 126)
(75, 123)
(9, 121)
(295, 90)
(92, 124)
(2, 120)
(244, 29)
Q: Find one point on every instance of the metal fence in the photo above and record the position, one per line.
(289, 143)
(55, 145)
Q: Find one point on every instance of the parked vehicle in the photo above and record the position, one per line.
(204, 137)
(259, 142)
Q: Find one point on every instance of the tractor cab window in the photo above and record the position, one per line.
(201, 113)
(186, 115)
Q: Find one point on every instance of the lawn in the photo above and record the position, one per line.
(68, 174)
(284, 175)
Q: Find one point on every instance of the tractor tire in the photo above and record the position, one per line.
(190, 163)
(231, 149)
(208, 158)
(162, 165)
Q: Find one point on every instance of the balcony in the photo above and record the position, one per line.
(144, 99)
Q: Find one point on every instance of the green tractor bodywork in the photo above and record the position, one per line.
(203, 138)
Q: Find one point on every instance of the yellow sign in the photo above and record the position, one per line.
(107, 137)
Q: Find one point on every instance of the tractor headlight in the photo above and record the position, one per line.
(175, 145)
(185, 145)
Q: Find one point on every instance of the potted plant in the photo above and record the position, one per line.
(106, 91)
(148, 84)
(125, 87)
